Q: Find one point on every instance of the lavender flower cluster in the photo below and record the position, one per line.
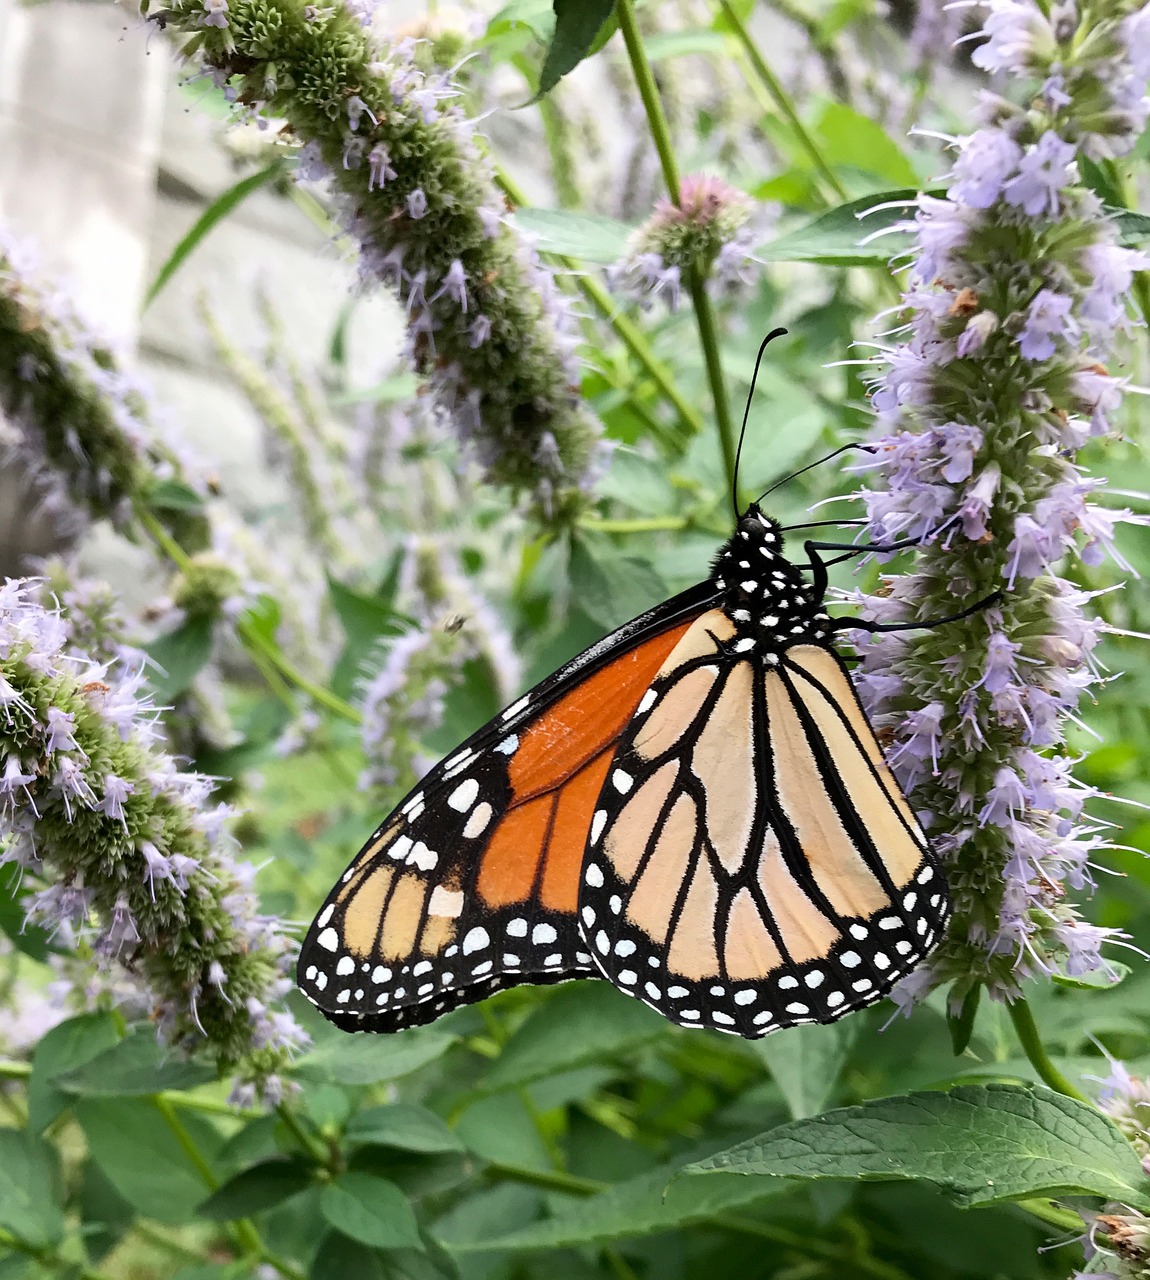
(1017, 290)
(129, 851)
(404, 700)
(412, 186)
(77, 424)
(712, 230)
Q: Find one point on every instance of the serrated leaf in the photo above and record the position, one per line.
(260, 1187)
(345, 1059)
(143, 1159)
(178, 657)
(805, 1063)
(583, 236)
(137, 1065)
(577, 27)
(582, 1022)
(28, 1199)
(404, 1126)
(977, 1143)
(371, 1210)
(65, 1047)
(639, 1206)
(366, 620)
(610, 587)
(224, 204)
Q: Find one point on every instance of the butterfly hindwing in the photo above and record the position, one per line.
(471, 884)
(753, 864)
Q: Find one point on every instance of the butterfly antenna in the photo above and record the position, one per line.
(774, 333)
(834, 453)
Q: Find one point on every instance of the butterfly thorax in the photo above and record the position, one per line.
(766, 596)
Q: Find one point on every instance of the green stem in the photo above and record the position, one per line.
(709, 336)
(1053, 1215)
(625, 329)
(782, 100)
(649, 525)
(704, 315)
(549, 1180)
(1035, 1051)
(48, 1258)
(254, 642)
(312, 1146)
(246, 1235)
(15, 1070)
(649, 93)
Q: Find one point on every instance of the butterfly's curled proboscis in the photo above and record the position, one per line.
(695, 809)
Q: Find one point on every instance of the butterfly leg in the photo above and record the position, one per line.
(818, 566)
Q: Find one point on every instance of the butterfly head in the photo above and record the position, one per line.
(767, 596)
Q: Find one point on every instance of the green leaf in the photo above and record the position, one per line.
(345, 1059)
(582, 1022)
(64, 1048)
(584, 236)
(137, 1065)
(636, 1207)
(173, 495)
(961, 1024)
(179, 656)
(262, 618)
(225, 203)
(371, 1210)
(340, 1258)
(611, 587)
(1133, 227)
(402, 1125)
(366, 620)
(1099, 980)
(28, 1197)
(143, 1159)
(260, 1187)
(977, 1143)
(577, 27)
(105, 1213)
(835, 238)
(805, 1062)
(854, 141)
(30, 939)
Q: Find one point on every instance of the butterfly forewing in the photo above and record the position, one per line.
(471, 884)
(753, 864)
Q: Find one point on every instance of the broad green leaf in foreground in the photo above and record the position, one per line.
(639, 1206)
(28, 1207)
(143, 1159)
(978, 1143)
(134, 1066)
(371, 1210)
(64, 1048)
(340, 1058)
(253, 1190)
(581, 1023)
(403, 1126)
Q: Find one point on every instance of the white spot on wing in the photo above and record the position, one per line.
(464, 795)
(329, 940)
(325, 914)
(598, 822)
(477, 823)
(543, 934)
(445, 902)
(508, 746)
(476, 940)
(622, 781)
(515, 708)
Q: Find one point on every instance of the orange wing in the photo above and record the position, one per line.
(472, 883)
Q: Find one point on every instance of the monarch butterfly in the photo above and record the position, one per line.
(695, 808)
